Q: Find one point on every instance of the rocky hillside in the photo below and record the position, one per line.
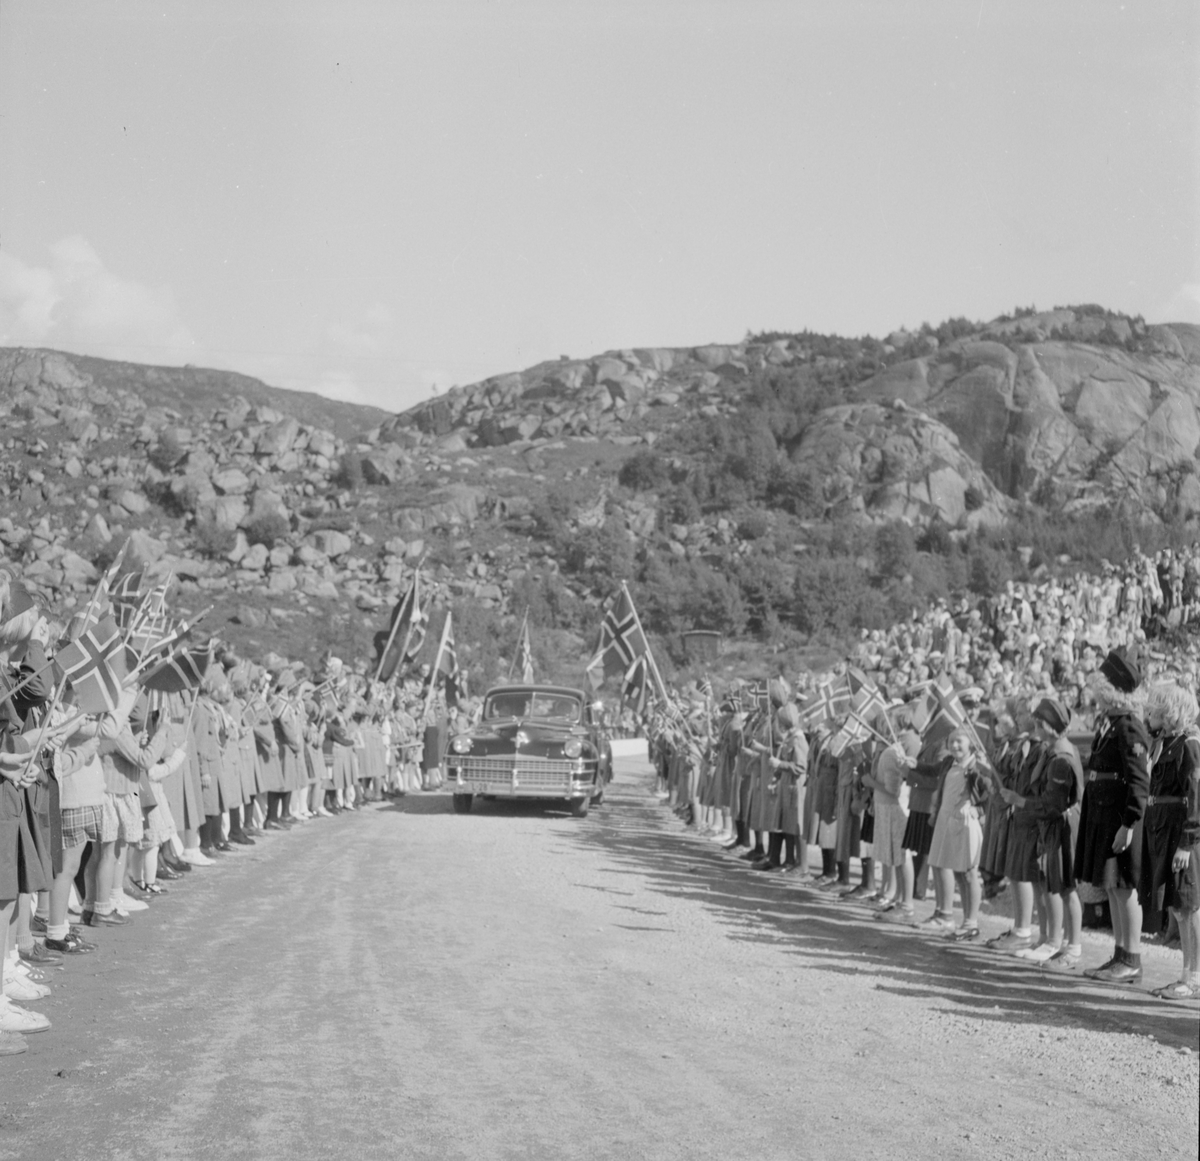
(708, 476)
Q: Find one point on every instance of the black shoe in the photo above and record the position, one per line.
(72, 945)
(753, 856)
(242, 840)
(271, 824)
(112, 919)
(150, 889)
(38, 956)
(223, 847)
(166, 873)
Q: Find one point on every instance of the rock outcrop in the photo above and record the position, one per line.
(274, 506)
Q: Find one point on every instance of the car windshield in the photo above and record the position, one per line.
(532, 704)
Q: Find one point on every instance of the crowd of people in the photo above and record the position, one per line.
(103, 812)
(1048, 635)
(942, 790)
(945, 755)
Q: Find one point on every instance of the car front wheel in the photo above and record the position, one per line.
(579, 807)
(462, 803)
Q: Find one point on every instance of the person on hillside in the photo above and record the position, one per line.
(1108, 852)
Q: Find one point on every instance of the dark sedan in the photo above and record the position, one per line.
(533, 741)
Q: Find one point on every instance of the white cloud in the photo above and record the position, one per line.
(368, 338)
(77, 304)
(1183, 306)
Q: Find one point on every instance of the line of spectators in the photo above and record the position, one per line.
(929, 804)
(100, 815)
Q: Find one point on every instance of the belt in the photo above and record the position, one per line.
(1166, 800)
(1103, 776)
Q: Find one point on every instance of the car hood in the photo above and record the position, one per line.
(533, 732)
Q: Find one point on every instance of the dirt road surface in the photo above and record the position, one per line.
(406, 982)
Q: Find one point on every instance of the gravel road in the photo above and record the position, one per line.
(407, 982)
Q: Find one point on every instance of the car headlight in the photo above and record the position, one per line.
(573, 747)
(461, 744)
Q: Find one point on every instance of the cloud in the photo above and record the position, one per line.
(1183, 306)
(77, 304)
(369, 338)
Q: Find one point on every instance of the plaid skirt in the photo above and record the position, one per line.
(81, 824)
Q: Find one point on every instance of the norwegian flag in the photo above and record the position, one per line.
(867, 704)
(125, 596)
(183, 670)
(150, 624)
(635, 687)
(937, 714)
(446, 668)
(857, 680)
(851, 733)
(94, 665)
(828, 702)
(759, 691)
(706, 687)
(405, 635)
(622, 641)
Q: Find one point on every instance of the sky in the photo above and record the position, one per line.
(377, 201)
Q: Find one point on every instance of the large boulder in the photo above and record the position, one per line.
(277, 437)
(223, 511)
(893, 463)
(330, 542)
(142, 550)
(231, 481)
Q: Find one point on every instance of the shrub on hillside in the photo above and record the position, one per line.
(213, 539)
(833, 598)
(349, 474)
(895, 549)
(644, 471)
(267, 529)
(167, 451)
(754, 525)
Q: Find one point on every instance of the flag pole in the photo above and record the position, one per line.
(658, 681)
(867, 725)
(512, 665)
(59, 690)
(412, 617)
(437, 662)
(105, 582)
(412, 588)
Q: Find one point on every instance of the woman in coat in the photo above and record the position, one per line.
(1108, 852)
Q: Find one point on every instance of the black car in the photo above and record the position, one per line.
(533, 741)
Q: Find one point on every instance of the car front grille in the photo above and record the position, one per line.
(530, 772)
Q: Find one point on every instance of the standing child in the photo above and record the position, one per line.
(957, 833)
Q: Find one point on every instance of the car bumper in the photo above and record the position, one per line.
(519, 783)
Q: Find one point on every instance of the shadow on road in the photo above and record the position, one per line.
(441, 802)
(834, 937)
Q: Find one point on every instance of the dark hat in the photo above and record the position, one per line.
(1122, 670)
(1052, 711)
(20, 600)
